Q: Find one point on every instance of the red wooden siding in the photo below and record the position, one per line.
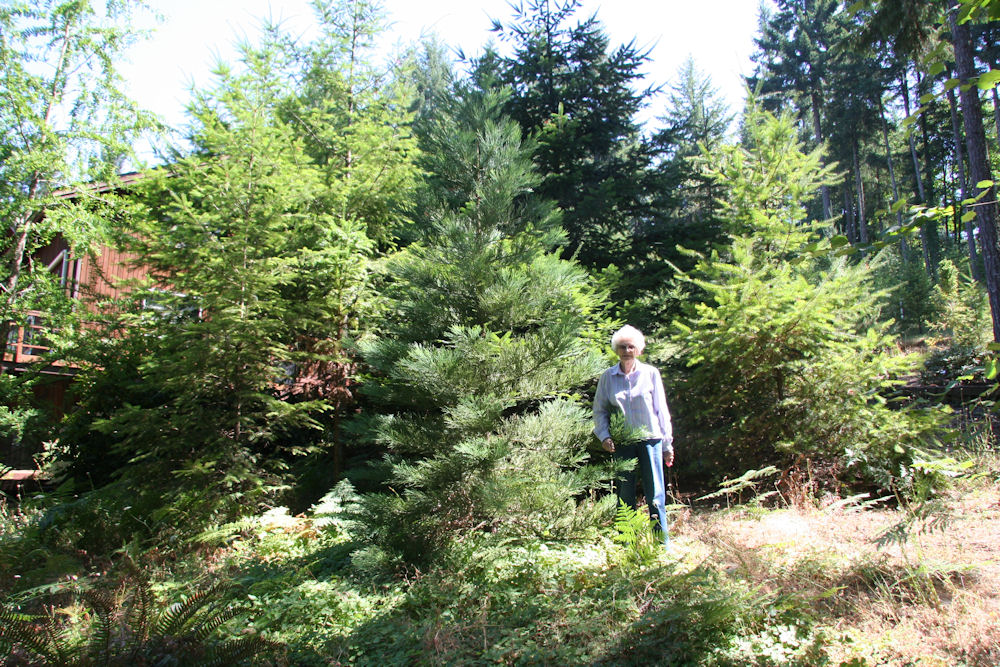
(101, 277)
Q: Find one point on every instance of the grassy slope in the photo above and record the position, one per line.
(933, 599)
(804, 584)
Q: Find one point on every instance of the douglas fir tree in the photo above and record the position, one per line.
(789, 364)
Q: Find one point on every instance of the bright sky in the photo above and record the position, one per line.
(718, 34)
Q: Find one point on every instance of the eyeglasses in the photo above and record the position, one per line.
(627, 346)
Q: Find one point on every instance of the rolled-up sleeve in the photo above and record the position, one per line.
(602, 415)
(662, 411)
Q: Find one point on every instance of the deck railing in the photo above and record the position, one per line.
(27, 342)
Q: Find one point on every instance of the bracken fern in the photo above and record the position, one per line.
(126, 630)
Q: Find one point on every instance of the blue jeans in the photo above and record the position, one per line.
(650, 465)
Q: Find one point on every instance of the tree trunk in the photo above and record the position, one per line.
(918, 178)
(979, 166)
(996, 112)
(860, 189)
(848, 210)
(818, 132)
(925, 147)
(15, 266)
(987, 48)
(963, 188)
(917, 175)
(903, 251)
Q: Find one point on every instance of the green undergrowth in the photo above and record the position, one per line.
(607, 601)
(308, 587)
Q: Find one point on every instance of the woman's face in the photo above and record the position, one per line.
(627, 350)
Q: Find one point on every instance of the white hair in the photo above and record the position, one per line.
(629, 333)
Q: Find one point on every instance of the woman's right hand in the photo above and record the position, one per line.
(608, 444)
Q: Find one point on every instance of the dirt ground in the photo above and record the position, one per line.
(931, 600)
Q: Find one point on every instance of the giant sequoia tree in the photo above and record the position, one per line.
(490, 330)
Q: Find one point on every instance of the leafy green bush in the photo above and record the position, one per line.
(58, 534)
(962, 323)
(905, 290)
(954, 363)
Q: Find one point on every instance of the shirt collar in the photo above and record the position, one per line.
(618, 368)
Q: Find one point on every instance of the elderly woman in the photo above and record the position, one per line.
(636, 391)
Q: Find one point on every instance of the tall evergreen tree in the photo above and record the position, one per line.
(695, 123)
(910, 29)
(795, 53)
(490, 331)
(247, 265)
(854, 122)
(786, 359)
(979, 165)
(352, 114)
(577, 95)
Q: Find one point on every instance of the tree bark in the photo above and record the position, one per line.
(996, 112)
(818, 132)
(917, 174)
(979, 166)
(903, 250)
(929, 195)
(848, 210)
(963, 187)
(860, 189)
(15, 265)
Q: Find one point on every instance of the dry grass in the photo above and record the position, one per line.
(934, 600)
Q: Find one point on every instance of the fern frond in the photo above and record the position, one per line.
(634, 532)
(103, 604)
(176, 617)
(626, 532)
(221, 533)
(236, 650)
(622, 432)
(213, 622)
(25, 631)
(747, 480)
(57, 643)
(138, 615)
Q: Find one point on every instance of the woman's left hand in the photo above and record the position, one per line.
(668, 457)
